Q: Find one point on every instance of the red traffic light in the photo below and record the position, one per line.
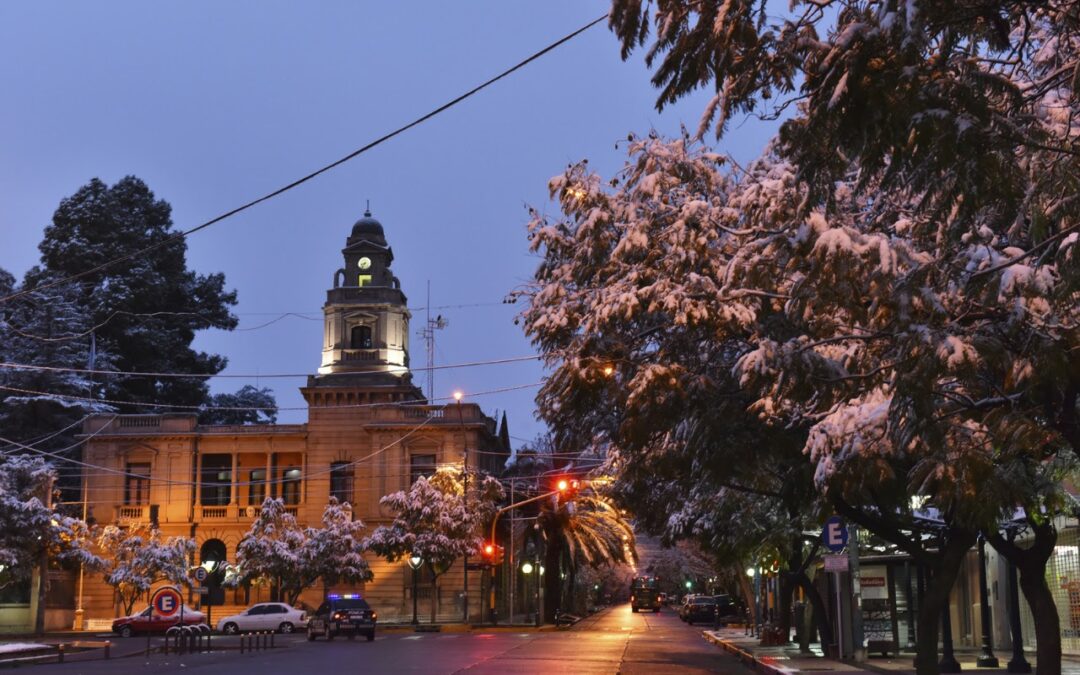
(489, 550)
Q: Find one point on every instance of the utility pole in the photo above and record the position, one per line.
(427, 334)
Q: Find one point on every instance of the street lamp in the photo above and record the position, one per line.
(527, 568)
(415, 562)
(465, 488)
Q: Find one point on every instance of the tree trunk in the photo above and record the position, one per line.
(786, 588)
(552, 581)
(821, 612)
(1031, 563)
(957, 542)
(748, 596)
(1047, 626)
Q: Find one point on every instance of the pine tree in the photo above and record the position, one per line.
(148, 308)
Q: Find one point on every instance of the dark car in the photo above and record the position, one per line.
(709, 608)
(348, 615)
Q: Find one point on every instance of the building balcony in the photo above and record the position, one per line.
(234, 513)
(130, 514)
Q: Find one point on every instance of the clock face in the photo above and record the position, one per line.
(364, 263)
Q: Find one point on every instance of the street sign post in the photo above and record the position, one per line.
(835, 538)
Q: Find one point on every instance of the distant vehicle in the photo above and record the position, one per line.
(146, 622)
(276, 616)
(347, 614)
(645, 594)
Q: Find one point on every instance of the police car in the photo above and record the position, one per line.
(346, 614)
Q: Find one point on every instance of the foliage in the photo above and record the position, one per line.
(145, 310)
(32, 526)
(433, 520)
(248, 405)
(279, 551)
(138, 557)
(335, 551)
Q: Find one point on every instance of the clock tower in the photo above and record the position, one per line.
(366, 317)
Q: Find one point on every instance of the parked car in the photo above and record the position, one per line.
(347, 614)
(146, 622)
(709, 608)
(275, 616)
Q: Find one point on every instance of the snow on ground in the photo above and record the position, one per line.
(10, 647)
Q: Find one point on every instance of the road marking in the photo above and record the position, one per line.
(413, 637)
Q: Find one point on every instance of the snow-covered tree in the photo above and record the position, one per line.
(148, 308)
(138, 557)
(34, 532)
(279, 552)
(433, 519)
(47, 329)
(335, 552)
(273, 550)
(248, 405)
(916, 367)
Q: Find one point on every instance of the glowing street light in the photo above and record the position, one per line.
(527, 568)
(458, 394)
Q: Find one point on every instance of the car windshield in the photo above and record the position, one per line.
(704, 601)
(351, 603)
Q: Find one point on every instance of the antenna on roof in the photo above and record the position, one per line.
(367, 209)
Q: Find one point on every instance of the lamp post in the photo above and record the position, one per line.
(415, 562)
(465, 472)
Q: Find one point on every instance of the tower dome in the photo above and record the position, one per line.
(368, 226)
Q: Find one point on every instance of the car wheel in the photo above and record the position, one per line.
(230, 629)
(371, 636)
(125, 631)
(310, 634)
(285, 627)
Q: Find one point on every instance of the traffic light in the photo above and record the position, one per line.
(567, 488)
(492, 553)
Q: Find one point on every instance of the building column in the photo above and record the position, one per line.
(198, 485)
(986, 658)
(268, 486)
(233, 487)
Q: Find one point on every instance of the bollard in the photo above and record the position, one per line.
(241, 643)
(108, 646)
(271, 639)
(147, 646)
(60, 653)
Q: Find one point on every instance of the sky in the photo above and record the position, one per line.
(213, 104)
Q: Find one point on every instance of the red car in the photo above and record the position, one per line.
(147, 622)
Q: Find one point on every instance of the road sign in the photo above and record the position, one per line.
(200, 574)
(166, 601)
(835, 534)
(836, 563)
(474, 566)
(202, 590)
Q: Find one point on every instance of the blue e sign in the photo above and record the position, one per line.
(835, 534)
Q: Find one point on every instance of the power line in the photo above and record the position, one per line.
(266, 197)
(257, 376)
(196, 408)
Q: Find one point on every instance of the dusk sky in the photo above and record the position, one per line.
(213, 104)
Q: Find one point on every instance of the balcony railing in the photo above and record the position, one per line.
(132, 514)
(215, 512)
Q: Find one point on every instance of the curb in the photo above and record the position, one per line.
(747, 658)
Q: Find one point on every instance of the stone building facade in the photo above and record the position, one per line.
(370, 432)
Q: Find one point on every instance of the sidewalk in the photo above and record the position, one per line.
(786, 660)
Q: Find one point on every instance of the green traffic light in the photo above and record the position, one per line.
(689, 584)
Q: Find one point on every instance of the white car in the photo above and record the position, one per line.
(275, 616)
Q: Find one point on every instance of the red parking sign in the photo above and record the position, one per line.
(166, 601)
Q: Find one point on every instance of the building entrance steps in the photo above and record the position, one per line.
(788, 659)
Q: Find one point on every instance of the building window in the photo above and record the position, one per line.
(257, 487)
(421, 465)
(216, 480)
(363, 280)
(290, 486)
(341, 481)
(137, 485)
(361, 337)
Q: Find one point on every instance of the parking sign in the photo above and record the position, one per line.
(835, 534)
(166, 601)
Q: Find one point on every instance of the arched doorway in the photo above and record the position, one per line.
(211, 555)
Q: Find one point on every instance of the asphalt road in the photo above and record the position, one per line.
(616, 641)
